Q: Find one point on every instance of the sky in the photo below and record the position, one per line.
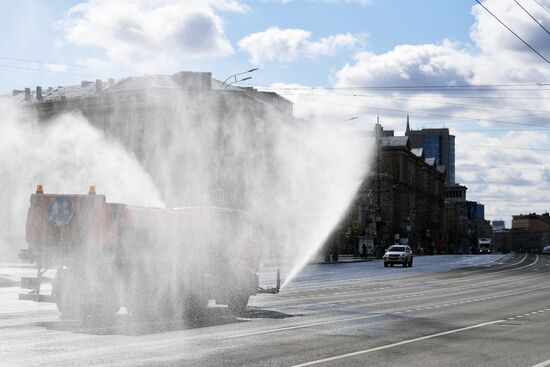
(445, 63)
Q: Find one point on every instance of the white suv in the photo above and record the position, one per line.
(398, 254)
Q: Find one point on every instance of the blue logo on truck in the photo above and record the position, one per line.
(60, 211)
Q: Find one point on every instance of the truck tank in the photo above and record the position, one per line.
(155, 262)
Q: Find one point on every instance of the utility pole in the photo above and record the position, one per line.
(378, 141)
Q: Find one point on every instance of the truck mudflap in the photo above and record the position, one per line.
(33, 284)
(272, 290)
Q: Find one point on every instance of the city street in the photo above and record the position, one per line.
(484, 310)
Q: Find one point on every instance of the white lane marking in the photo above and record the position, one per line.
(393, 345)
(543, 364)
(497, 271)
(304, 326)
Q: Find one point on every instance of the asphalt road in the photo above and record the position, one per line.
(486, 310)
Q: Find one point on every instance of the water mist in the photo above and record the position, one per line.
(227, 149)
(292, 180)
(66, 155)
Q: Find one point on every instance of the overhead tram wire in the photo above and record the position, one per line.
(66, 64)
(542, 5)
(465, 118)
(502, 167)
(430, 101)
(46, 70)
(503, 148)
(469, 87)
(532, 17)
(514, 33)
(504, 130)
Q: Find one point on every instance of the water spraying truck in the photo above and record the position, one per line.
(155, 262)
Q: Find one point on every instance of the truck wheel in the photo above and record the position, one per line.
(385, 264)
(237, 303)
(405, 263)
(140, 303)
(77, 302)
(65, 295)
(411, 263)
(194, 306)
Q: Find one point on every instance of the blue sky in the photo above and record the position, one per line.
(34, 35)
(333, 46)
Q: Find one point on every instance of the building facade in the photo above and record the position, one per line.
(400, 201)
(437, 144)
(161, 118)
(530, 232)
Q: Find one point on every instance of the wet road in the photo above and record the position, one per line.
(490, 310)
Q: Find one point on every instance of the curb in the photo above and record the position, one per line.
(340, 262)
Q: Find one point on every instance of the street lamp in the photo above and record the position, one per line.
(225, 83)
(236, 81)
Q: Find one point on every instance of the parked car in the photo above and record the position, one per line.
(398, 254)
(546, 250)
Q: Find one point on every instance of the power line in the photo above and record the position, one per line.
(503, 130)
(465, 118)
(532, 17)
(46, 70)
(542, 6)
(514, 33)
(503, 148)
(494, 87)
(479, 97)
(458, 165)
(430, 101)
(69, 65)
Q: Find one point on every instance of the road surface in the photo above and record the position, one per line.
(485, 310)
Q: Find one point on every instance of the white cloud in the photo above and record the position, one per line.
(510, 181)
(409, 65)
(494, 56)
(150, 33)
(498, 57)
(284, 45)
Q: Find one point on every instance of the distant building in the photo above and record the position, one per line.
(465, 220)
(530, 232)
(411, 195)
(437, 144)
(531, 222)
(459, 232)
(498, 225)
(476, 210)
(400, 201)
